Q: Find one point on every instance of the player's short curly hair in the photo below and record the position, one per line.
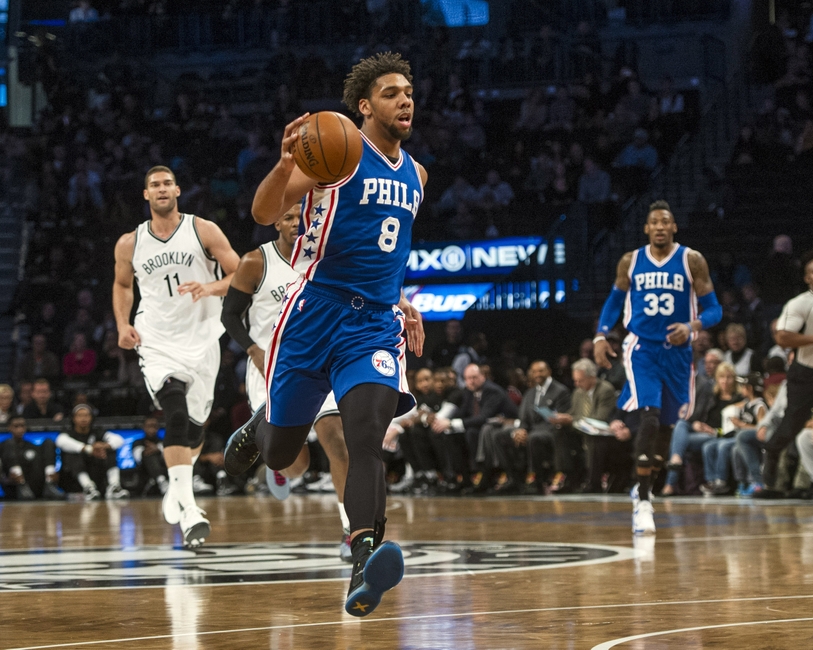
(361, 80)
(659, 205)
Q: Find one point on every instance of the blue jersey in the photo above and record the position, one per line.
(660, 294)
(356, 234)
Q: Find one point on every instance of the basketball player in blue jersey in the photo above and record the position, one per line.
(342, 322)
(659, 287)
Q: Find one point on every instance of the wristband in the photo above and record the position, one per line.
(599, 337)
(88, 449)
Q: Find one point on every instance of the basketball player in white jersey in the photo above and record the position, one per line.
(249, 311)
(179, 261)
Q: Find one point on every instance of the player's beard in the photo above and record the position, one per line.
(164, 210)
(400, 134)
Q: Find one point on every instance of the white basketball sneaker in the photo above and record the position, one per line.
(279, 485)
(643, 522)
(171, 508)
(194, 526)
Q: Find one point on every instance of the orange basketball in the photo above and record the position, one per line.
(328, 148)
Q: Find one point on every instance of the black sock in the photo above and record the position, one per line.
(644, 481)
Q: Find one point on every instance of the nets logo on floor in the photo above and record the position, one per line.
(218, 564)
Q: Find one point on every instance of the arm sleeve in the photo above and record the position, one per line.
(234, 308)
(612, 310)
(71, 445)
(113, 439)
(712, 311)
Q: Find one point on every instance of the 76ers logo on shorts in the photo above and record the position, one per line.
(384, 363)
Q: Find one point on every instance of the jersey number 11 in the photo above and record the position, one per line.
(169, 284)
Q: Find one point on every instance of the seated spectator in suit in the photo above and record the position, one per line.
(89, 457)
(482, 401)
(6, 403)
(149, 458)
(744, 359)
(80, 361)
(592, 398)
(42, 405)
(38, 362)
(29, 469)
(535, 436)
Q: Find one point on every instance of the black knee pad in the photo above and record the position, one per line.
(648, 427)
(195, 434)
(172, 398)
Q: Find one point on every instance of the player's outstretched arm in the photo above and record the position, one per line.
(238, 299)
(217, 246)
(611, 312)
(123, 291)
(711, 312)
(285, 184)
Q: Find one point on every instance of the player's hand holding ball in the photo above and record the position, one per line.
(327, 146)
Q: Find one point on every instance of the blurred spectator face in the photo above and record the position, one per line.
(702, 343)
(423, 380)
(584, 381)
(151, 427)
(79, 343)
(735, 341)
(41, 392)
(6, 397)
(451, 378)
(586, 349)
(26, 392)
(749, 293)
(82, 418)
(39, 344)
(48, 311)
(726, 380)
(538, 373)
(85, 299)
(17, 427)
(473, 377)
(711, 363)
(783, 244)
(439, 382)
(453, 331)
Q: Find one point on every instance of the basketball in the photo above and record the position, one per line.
(328, 148)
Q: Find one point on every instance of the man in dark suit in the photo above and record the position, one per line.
(483, 400)
(535, 436)
(593, 398)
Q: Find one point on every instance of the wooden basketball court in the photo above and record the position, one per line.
(481, 573)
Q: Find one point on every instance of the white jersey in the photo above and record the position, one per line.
(267, 299)
(165, 319)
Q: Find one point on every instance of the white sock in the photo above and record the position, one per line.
(84, 480)
(180, 482)
(113, 476)
(50, 470)
(343, 515)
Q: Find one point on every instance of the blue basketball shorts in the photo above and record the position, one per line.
(659, 375)
(325, 339)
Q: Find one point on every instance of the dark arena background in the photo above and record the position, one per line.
(547, 128)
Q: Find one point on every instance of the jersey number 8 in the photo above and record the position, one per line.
(389, 234)
(663, 304)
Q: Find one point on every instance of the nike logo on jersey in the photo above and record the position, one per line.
(387, 191)
(165, 259)
(658, 280)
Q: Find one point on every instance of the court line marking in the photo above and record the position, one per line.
(611, 644)
(502, 612)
